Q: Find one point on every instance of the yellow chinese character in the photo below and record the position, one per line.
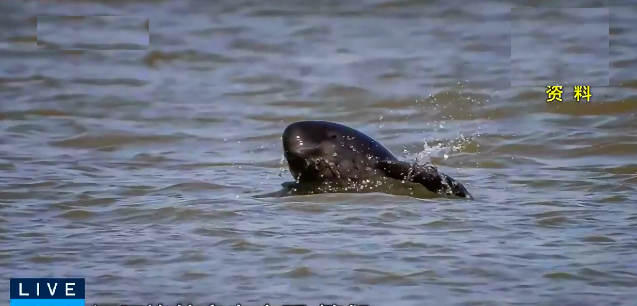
(582, 92)
(555, 93)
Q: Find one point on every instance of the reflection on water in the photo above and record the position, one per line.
(131, 149)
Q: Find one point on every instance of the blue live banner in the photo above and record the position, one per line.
(47, 291)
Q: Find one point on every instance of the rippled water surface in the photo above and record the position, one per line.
(131, 149)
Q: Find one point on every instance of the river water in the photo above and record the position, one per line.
(132, 149)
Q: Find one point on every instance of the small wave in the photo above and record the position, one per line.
(77, 214)
(297, 251)
(557, 221)
(438, 224)
(22, 115)
(256, 46)
(311, 31)
(192, 186)
(154, 58)
(193, 276)
(70, 206)
(301, 272)
(46, 259)
(344, 92)
(136, 262)
(27, 81)
(598, 239)
(217, 232)
(627, 106)
(50, 45)
(104, 141)
(375, 277)
(563, 275)
(215, 31)
(22, 39)
(294, 103)
(109, 82)
(252, 93)
(239, 244)
(172, 214)
(411, 245)
(414, 4)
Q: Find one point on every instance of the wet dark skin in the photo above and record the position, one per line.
(328, 152)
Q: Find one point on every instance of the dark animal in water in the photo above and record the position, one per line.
(328, 153)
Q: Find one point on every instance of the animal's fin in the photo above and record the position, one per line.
(426, 175)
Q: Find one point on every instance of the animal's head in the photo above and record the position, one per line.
(455, 188)
(320, 149)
